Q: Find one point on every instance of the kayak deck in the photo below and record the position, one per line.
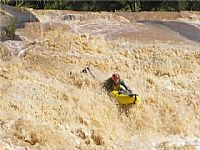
(125, 98)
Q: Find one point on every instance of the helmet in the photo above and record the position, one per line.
(115, 76)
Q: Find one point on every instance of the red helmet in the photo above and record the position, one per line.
(115, 76)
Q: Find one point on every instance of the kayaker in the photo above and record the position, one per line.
(115, 83)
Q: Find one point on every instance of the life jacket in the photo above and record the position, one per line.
(118, 87)
(115, 87)
(110, 85)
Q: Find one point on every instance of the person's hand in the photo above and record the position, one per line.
(121, 91)
(129, 91)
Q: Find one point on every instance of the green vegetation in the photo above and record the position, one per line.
(118, 5)
(10, 29)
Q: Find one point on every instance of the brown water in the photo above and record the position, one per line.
(46, 103)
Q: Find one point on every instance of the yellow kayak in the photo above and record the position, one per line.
(125, 98)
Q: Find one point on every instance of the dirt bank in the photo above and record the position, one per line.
(12, 18)
(184, 29)
(138, 16)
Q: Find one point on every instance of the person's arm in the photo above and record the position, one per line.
(108, 85)
(123, 84)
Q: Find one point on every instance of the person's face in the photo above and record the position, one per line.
(116, 80)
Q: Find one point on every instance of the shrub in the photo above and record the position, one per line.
(10, 29)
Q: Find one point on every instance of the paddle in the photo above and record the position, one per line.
(87, 69)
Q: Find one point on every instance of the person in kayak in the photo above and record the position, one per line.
(115, 83)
